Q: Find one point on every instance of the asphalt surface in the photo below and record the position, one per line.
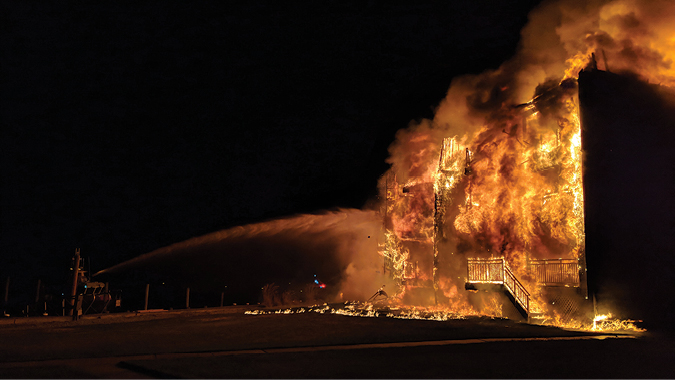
(226, 343)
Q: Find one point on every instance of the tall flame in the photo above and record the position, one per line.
(498, 171)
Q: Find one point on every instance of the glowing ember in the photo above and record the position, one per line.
(599, 318)
(601, 323)
(607, 323)
(368, 310)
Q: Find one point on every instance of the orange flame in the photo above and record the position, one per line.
(491, 176)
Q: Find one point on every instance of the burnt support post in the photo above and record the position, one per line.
(147, 293)
(583, 280)
(73, 289)
(434, 277)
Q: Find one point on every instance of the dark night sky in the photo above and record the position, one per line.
(126, 128)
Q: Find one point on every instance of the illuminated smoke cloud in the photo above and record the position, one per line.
(557, 41)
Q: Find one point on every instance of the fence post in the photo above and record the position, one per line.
(222, 296)
(187, 298)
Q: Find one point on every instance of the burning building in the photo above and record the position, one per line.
(504, 211)
(509, 212)
(489, 197)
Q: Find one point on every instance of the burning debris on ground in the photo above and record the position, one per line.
(601, 323)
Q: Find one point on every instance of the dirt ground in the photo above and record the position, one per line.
(226, 343)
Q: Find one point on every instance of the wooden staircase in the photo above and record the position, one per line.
(558, 276)
(495, 275)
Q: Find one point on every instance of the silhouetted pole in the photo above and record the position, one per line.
(147, 292)
(73, 290)
(108, 298)
(76, 313)
(7, 290)
(37, 293)
(222, 297)
(37, 296)
(187, 298)
(4, 305)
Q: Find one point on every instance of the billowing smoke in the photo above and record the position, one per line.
(633, 36)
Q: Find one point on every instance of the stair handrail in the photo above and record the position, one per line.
(516, 288)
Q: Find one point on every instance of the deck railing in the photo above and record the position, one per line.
(556, 272)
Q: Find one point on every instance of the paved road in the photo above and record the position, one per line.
(222, 343)
(540, 358)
